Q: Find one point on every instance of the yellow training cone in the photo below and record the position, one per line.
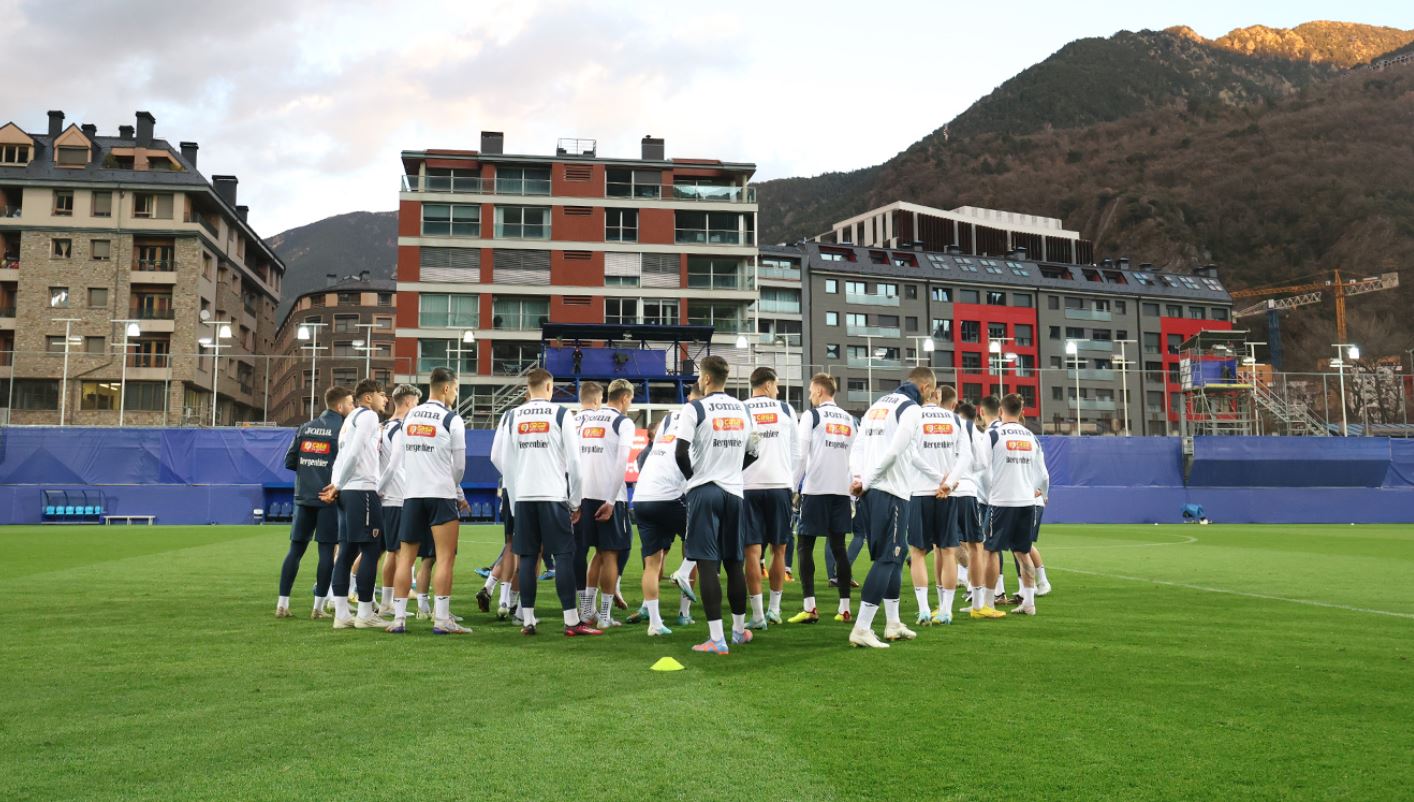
(667, 664)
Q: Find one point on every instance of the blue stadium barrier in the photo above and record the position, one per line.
(205, 476)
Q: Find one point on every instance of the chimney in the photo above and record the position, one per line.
(189, 153)
(145, 123)
(225, 186)
(56, 123)
(330, 279)
(1124, 263)
(242, 211)
(363, 275)
(1146, 265)
(125, 132)
(89, 130)
(1107, 263)
(492, 143)
(1019, 253)
(1206, 271)
(653, 150)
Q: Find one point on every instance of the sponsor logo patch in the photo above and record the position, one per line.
(533, 427)
(313, 447)
(765, 417)
(667, 438)
(937, 428)
(420, 430)
(878, 414)
(1018, 445)
(841, 429)
(728, 424)
(591, 431)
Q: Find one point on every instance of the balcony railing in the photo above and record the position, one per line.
(444, 322)
(778, 274)
(779, 307)
(722, 325)
(153, 265)
(623, 189)
(1106, 346)
(700, 236)
(870, 299)
(1086, 314)
(876, 362)
(718, 282)
(519, 321)
(792, 340)
(149, 361)
(521, 186)
(1095, 405)
(715, 194)
(872, 331)
(860, 396)
(7, 310)
(153, 313)
(1091, 374)
(211, 228)
(443, 183)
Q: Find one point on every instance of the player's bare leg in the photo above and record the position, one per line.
(1043, 585)
(945, 566)
(424, 586)
(1027, 582)
(777, 578)
(607, 582)
(753, 587)
(402, 585)
(445, 536)
(918, 572)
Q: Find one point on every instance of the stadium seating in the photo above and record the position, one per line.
(72, 507)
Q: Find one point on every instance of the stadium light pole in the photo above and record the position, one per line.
(1404, 397)
(309, 330)
(368, 343)
(923, 345)
(1351, 352)
(64, 377)
(468, 338)
(131, 328)
(1124, 379)
(1072, 350)
(221, 330)
(994, 348)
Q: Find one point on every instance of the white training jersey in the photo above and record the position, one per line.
(536, 449)
(660, 479)
(886, 455)
(390, 460)
(719, 429)
(940, 444)
(826, 434)
(970, 483)
(775, 423)
(605, 442)
(356, 464)
(1018, 469)
(434, 452)
(1046, 486)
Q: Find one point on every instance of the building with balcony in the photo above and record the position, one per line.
(492, 246)
(348, 335)
(120, 242)
(989, 325)
(969, 230)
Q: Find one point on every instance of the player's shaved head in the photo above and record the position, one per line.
(336, 394)
(538, 378)
(714, 370)
(405, 391)
(591, 392)
(923, 379)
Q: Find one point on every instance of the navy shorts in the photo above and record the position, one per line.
(659, 523)
(508, 518)
(321, 523)
(1009, 528)
(419, 516)
(542, 525)
(930, 523)
(967, 519)
(766, 517)
(392, 521)
(713, 525)
(363, 516)
(822, 516)
(886, 523)
(610, 535)
(1036, 524)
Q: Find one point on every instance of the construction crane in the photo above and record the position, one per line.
(1305, 295)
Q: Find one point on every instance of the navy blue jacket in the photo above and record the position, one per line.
(311, 457)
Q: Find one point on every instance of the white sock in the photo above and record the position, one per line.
(738, 623)
(387, 596)
(585, 606)
(946, 605)
(891, 611)
(490, 582)
(1028, 596)
(685, 606)
(527, 616)
(422, 601)
(365, 609)
(685, 570)
(606, 608)
(962, 575)
(515, 598)
(319, 602)
(442, 609)
(283, 602)
(571, 617)
(655, 618)
(989, 598)
(505, 594)
(866, 615)
(844, 605)
(757, 613)
(341, 606)
(400, 608)
(921, 594)
(714, 630)
(619, 586)
(776, 601)
(1041, 575)
(1000, 589)
(809, 603)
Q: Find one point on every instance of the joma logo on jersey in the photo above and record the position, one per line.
(1018, 445)
(728, 424)
(313, 447)
(840, 429)
(592, 431)
(937, 428)
(765, 417)
(878, 414)
(533, 427)
(421, 430)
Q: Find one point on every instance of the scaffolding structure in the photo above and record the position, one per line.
(1218, 397)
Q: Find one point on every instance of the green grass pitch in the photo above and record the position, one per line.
(1219, 662)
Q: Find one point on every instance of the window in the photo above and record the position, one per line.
(61, 248)
(878, 257)
(715, 228)
(93, 345)
(345, 324)
(36, 394)
(1052, 302)
(972, 392)
(97, 297)
(996, 298)
(1121, 307)
(890, 321)
(71, 156)
(1053, 332)
(942, 329)
(151, 205)
(1057, 393)
(1197, 312)
(1174, 310)
(1023, 334)
(910, 291)
(1102, 305)
(1055, 362)
(1021, 299)
(832, 351)
(159, 258)
(1150, 309)
(856, 287)
(942, 294)
(1101, 334)
(779, 301)
(856, 319)
(1074, 303)
(910, 324)
(63, 203)
(620, 310)
(437, 311)
(1151, 342)
(1219, 313)
(1074, 333)
(522, 181)
(54, 345)
(383, 323)
(633, 183)
(968, 296)
(14, 154)
(522, 222)
(996, 331)
(1028, 395)
(621, 225)
(1175, 341)
(1122, 334)
(971, 331)
(905, 260)
(519, 312)
(101, 250)
(150, 352)
(102, 204)
(660, 312)
(832, 318)
(972, 361)
(451, 220)
(143, 396)
(705, 272)
(832, 286)
(59, 297)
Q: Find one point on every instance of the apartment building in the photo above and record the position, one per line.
(132, 289)
(493, 245)
(1005, 324)
(971, 230)
(338, 334)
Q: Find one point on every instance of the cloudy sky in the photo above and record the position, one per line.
(310, 102)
